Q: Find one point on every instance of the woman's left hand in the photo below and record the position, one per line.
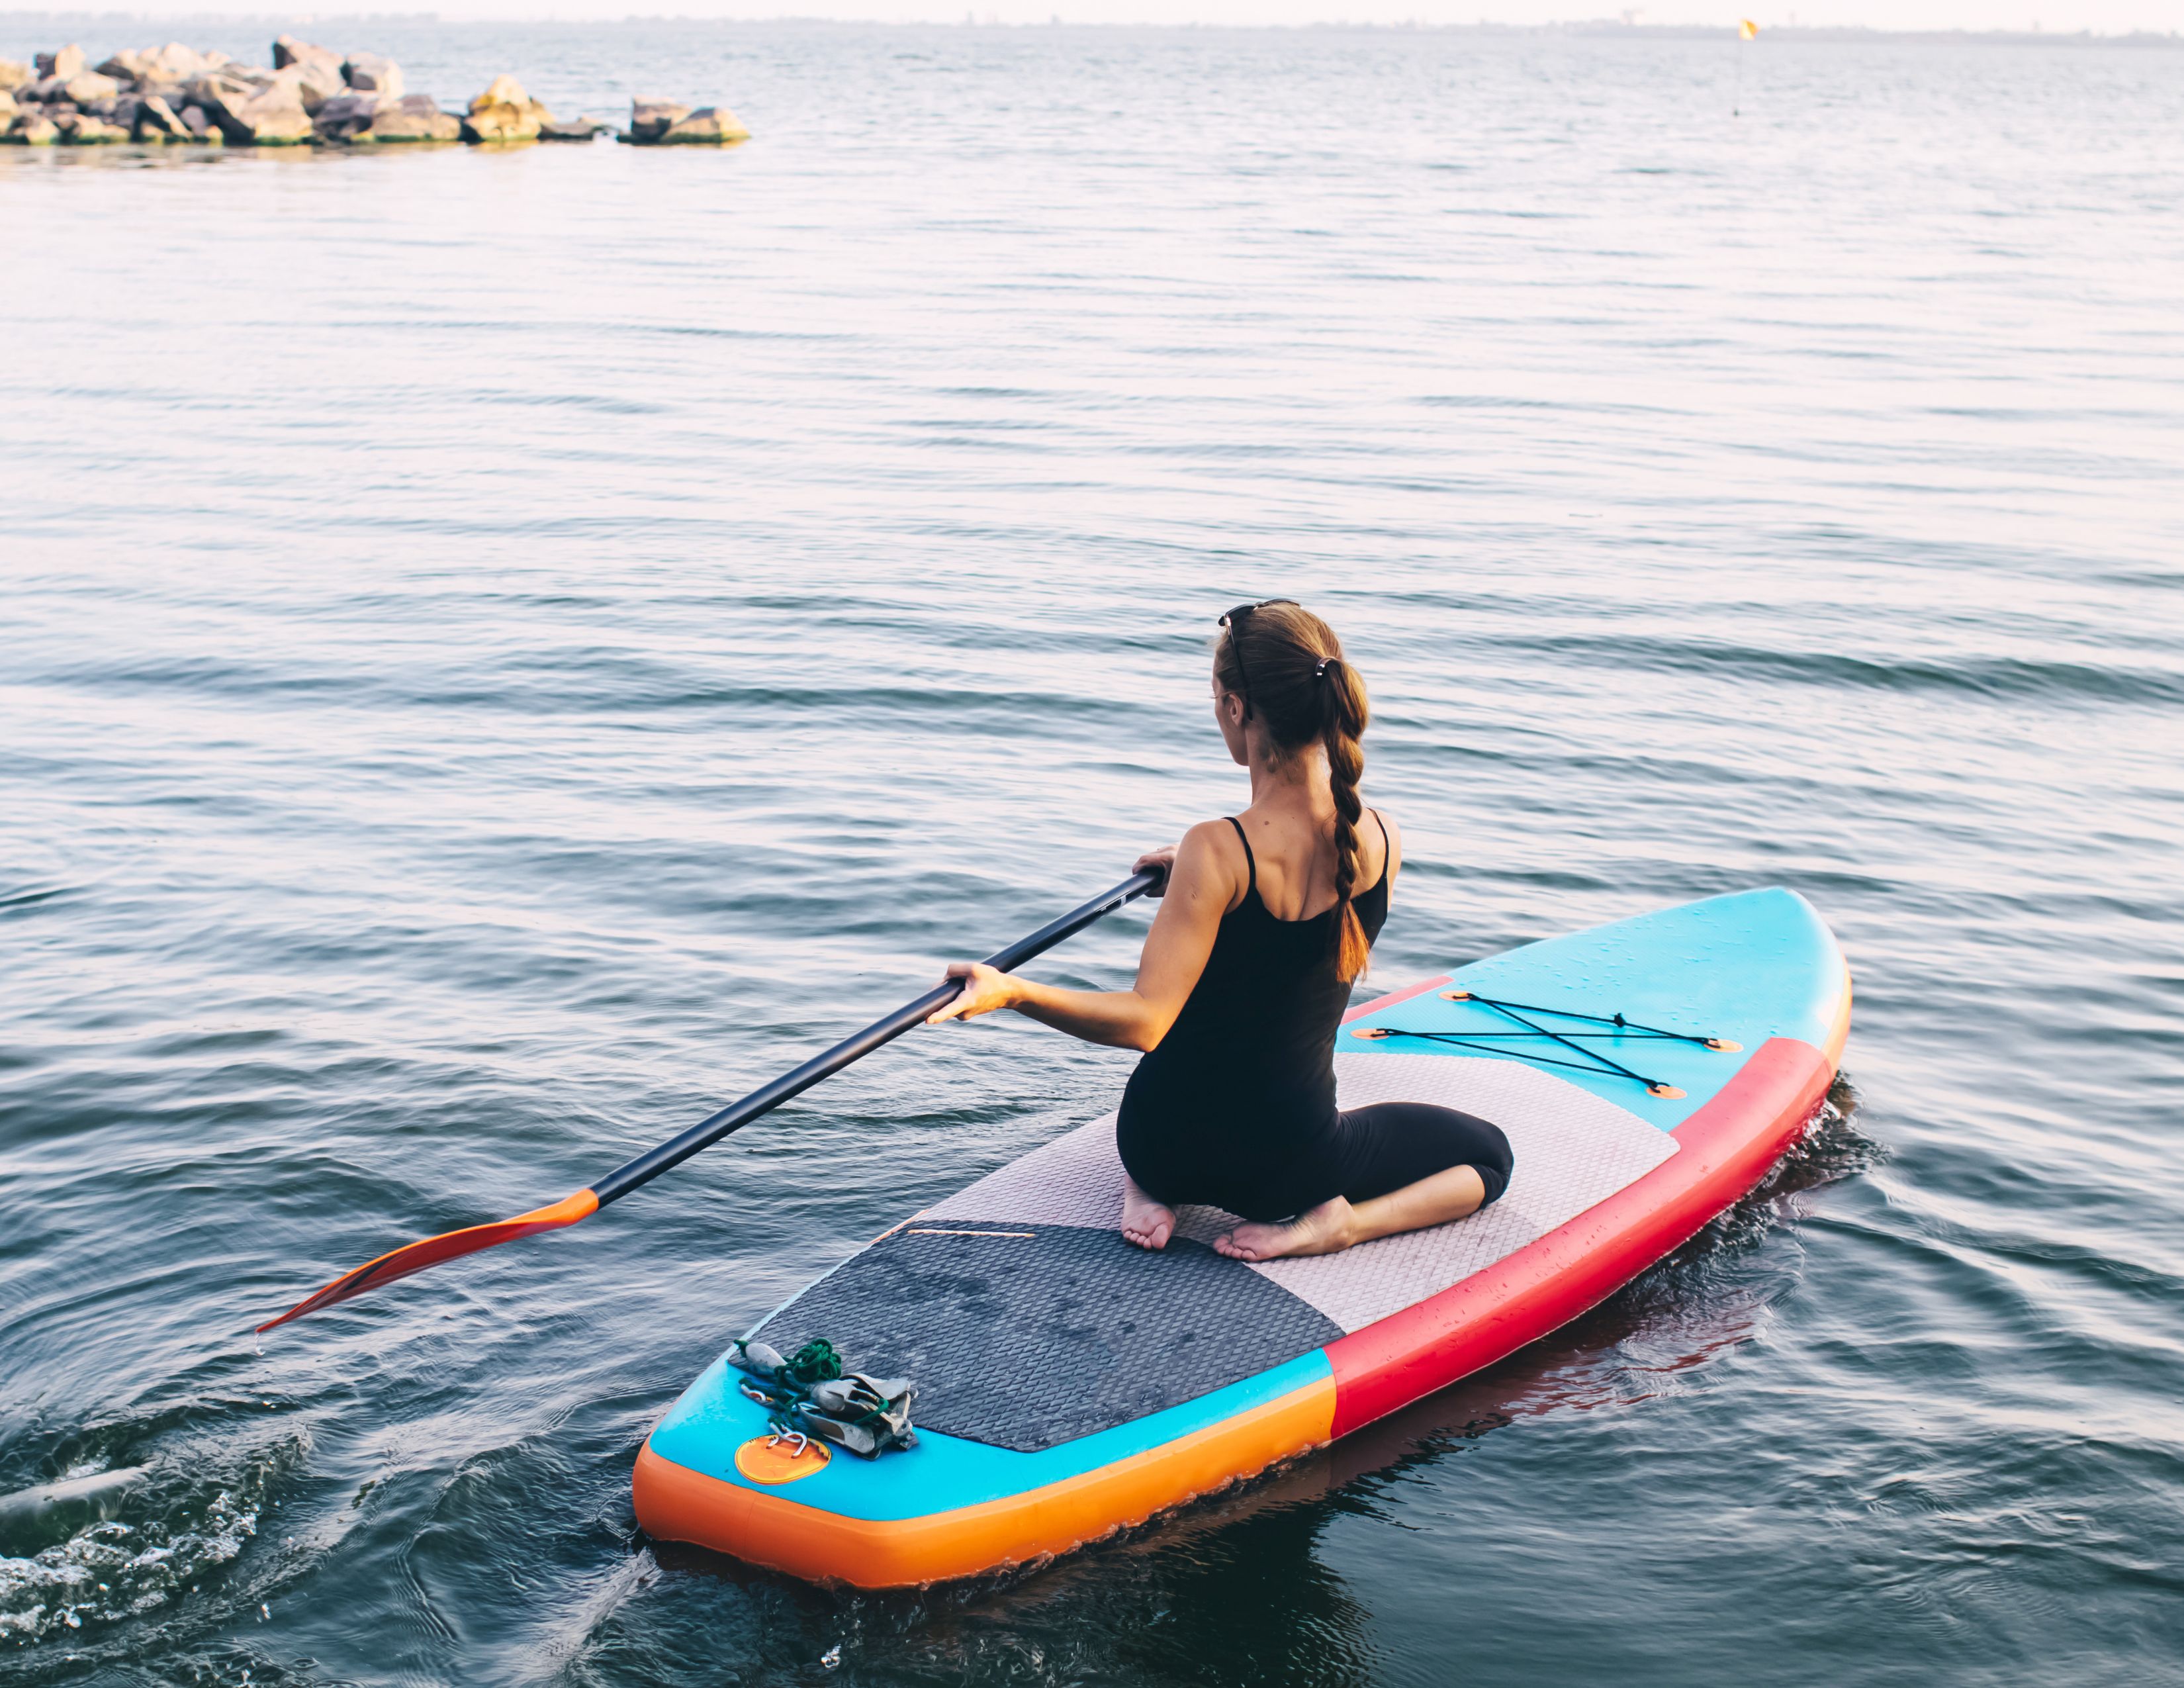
(984, 989)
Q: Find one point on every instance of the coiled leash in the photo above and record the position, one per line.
(812, 1394)
(1593, 1060)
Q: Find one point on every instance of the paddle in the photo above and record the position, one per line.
(449, 1245)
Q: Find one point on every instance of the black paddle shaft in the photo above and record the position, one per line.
(707, 1132)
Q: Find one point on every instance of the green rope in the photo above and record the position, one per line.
(815, 1363)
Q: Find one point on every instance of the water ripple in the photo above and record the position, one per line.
(502, 653)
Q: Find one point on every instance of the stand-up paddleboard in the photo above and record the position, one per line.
(1070, 1384)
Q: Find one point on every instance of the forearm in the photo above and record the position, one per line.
(1199, 893)
(1122, 1019)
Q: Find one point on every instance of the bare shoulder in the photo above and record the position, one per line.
(1211, 842)
(1210, 861)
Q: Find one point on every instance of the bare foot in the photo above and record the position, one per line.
(1145, 1221)
(1328, 1229)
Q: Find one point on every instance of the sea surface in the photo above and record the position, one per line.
(502, 652)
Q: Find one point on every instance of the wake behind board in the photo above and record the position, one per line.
(1070, 1384)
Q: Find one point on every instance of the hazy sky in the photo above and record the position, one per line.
(2103, 15)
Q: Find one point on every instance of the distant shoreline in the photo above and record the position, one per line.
(1596, 28)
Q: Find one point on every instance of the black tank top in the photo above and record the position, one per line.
(1247, 1071)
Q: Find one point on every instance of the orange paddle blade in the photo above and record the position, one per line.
(448, 1246)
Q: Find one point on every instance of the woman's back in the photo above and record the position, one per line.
(1291, 860)
(1244, 1078)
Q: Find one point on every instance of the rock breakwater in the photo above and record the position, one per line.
(309, 96)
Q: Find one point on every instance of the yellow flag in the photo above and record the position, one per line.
(1746, 29)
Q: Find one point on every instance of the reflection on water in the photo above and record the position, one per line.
(503, 652)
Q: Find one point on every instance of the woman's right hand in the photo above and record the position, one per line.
(1164, 859)
(985, 990)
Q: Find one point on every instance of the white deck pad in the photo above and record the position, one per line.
(1571, 1149)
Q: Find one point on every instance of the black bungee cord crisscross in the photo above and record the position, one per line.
(1593, 1060)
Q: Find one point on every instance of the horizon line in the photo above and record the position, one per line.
(1589, 25)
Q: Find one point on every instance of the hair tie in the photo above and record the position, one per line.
(1319, 668)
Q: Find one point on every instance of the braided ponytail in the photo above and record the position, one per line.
(1287, 667)
(1343, 723)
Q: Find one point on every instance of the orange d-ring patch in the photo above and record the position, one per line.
(776, 1460)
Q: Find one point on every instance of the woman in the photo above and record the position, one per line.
(1244, 979)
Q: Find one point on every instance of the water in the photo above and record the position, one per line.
(503, 652)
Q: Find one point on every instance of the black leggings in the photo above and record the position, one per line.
(1391, 1144)
(1368, 1152)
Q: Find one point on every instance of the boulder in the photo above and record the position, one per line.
(8, 107)
(343, 115)
(31, 129)
(158, 121)
(124, 66)
(65, 64)
(175, 62)
(287, 51)
(46, 91)
(251, 115)
(315, 80)
(202, 128)
(502, 125)
(277, 118)
(370, 74)
(504, 113)
(225, 84)
(408, 121)
(13, 75)
(712, 126)
(576, 129)
(88, 87)
(218, 84)
(502, 91)
(649, 119)
(81, 128)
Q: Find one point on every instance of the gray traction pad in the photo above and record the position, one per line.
(1026, 1342)
(1574, 1149)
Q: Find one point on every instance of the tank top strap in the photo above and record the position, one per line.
(1250, 861)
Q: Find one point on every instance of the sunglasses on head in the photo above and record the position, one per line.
(1232, 620)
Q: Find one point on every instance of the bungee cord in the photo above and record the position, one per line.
(1593, 1060)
